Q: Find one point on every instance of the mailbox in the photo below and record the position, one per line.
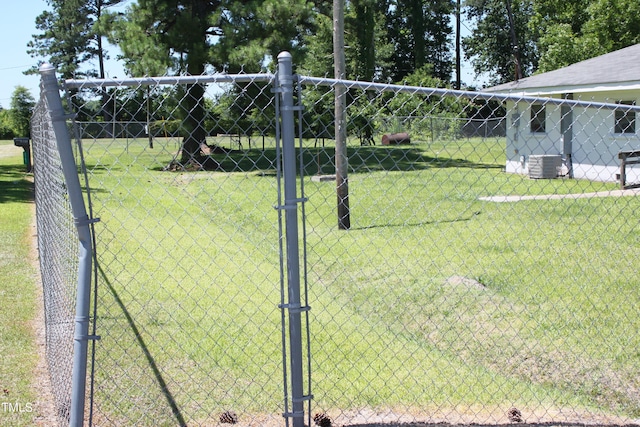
(26, 146)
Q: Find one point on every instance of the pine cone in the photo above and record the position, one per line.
(514, 415)
(229, 417)
(322, 420)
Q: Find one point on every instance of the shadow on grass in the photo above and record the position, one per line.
(420, 223)
(14, 185)
(362, 159)
(162, 384)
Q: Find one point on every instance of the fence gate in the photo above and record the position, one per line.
(487, 274)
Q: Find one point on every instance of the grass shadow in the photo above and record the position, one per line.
(419, 223)
(14, 185)
(162, 384)
(362, 159)
(409, 158)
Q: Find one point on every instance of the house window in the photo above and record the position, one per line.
(625, 120)
(538, 118)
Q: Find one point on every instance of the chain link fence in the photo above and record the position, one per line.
(487, 276)
(476, 284)
(58, 249)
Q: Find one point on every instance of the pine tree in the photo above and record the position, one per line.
(185, 36)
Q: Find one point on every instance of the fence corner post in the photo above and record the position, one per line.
(51, 92)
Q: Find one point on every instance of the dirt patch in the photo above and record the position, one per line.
(465, 282)
(476, 416)
(45, 414)
(420, 417)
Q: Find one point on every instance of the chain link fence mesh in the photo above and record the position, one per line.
(178, 246)
(58, 253)
(462, 291)
(488, 275)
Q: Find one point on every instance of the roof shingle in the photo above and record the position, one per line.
(621, 66)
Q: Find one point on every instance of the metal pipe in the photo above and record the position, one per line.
(69, 169)
(285, 89)
(488, 96)
(167, 80)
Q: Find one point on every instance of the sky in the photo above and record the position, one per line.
(16, 30)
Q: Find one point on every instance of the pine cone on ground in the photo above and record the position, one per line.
(229, 417)
(322, 420)
(514, 415)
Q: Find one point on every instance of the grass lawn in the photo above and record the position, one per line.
(434, 301)
(18, 293)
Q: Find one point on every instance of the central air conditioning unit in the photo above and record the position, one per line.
(544, 166)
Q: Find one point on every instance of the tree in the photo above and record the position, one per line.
(421, 34)
(158, 36)
(69, 38)
(558, 30)
(561, 46)
(97, 7)
(66, 36)
(582, 29)
(22, 105)
(362, 21)
(491, 47)
(550, 34)
(6, 130)
(615, 24)
(367, 51)
(253, 33)
(185, 36)
(319, 45)
(385, 39)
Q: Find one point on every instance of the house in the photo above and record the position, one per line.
(585, 134)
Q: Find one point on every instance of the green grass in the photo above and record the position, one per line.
(189, 285)
(553, 320)
(18, 295)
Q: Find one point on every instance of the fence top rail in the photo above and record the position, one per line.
(323, 81)
(168, 80)
(487, 96)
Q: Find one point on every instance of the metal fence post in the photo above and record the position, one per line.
(51, 91)
(285, 89)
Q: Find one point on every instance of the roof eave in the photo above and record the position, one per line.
(514, 89)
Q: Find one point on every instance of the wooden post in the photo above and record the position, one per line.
(341, 158)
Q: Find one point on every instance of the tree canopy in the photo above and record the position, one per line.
(69, 36)
(386, 40)
(548, 34)
(22, 105)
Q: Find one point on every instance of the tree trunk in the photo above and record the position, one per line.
(418, 29)
(514, 41)
(197, 57)
(193, 125)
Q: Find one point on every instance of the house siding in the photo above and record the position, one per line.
(595, 146)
